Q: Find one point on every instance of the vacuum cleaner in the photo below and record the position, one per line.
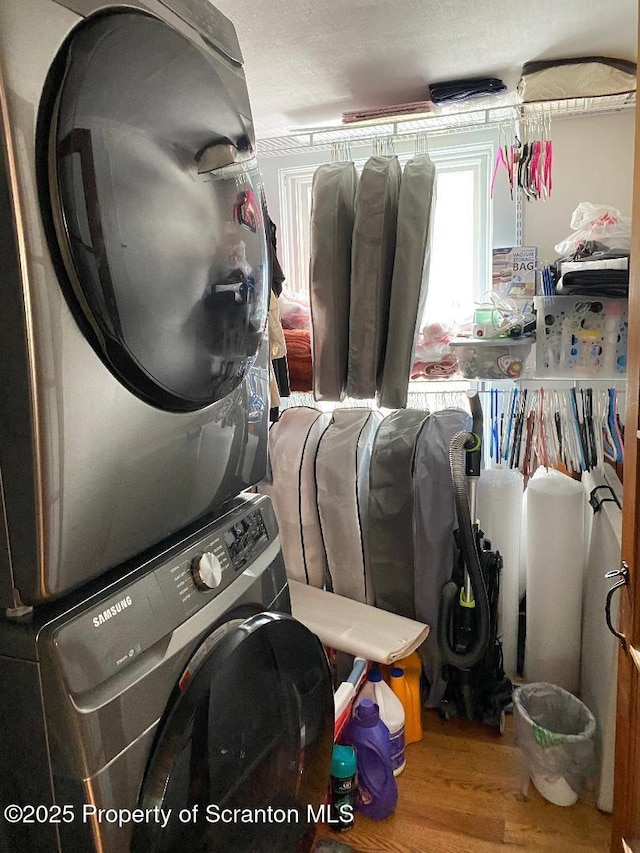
(471, 650)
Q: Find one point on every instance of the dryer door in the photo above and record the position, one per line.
(242, 758)
(153, 199)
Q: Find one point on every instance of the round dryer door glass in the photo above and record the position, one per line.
(155, 201)
(243, 756)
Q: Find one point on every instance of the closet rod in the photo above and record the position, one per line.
(462, 121)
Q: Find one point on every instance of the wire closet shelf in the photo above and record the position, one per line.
(444, 119)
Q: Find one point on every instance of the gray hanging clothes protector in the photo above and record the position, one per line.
(293, 442)
(373, 250)
(391, 509)
(333, 195)
(410, 279)
(342, 481)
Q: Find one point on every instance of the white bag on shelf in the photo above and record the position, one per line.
(597, 222)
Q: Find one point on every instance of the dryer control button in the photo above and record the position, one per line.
(206, 571)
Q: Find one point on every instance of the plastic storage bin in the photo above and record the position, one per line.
(497, 358)
(555, 731)
(581, 337)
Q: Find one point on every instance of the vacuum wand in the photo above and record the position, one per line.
(473, 462)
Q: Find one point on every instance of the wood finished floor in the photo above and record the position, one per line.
(462, 792)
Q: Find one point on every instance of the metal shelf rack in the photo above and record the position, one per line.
(444, 119)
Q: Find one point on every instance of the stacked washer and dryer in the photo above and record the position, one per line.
(155, 695)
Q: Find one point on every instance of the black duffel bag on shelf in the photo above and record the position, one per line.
(461, 90)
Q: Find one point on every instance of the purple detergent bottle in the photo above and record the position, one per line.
(377, 792)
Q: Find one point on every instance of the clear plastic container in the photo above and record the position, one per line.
(496, 358)
(581, 336)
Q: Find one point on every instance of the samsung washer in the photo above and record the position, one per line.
(174, 688)
(134, 284)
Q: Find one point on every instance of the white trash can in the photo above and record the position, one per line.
(555, 731)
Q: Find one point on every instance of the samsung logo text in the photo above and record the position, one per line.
(112, 611)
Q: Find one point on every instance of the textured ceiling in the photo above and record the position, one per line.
(308, 61)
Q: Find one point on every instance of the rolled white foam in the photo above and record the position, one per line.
(555, 572)
(500, 493)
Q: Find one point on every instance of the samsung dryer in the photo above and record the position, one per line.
(134, 284)
(170, 710)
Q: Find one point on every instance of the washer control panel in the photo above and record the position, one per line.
(205, 570)
(128, 620)
(244, 538)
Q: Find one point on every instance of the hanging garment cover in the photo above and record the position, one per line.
(374, 243)
(293, 442)
(332, 213)
(390, 528)
(434, 522)
(342, 481)
(410, 278)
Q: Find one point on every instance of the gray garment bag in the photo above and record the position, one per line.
(332, 214)
(434, 521)
(410, 278)
(373, 250)
(342, 482)
(293, 442)
(391, 498)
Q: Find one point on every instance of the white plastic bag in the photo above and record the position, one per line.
(597, 222)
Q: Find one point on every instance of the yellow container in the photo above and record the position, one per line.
(407, 689)
(412, 666)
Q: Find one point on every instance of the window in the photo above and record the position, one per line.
(459, 270)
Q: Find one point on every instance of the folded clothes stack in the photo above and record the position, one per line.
(410, 109)
(602, 273)
(446, 366)
(592, 282)
(433, 357)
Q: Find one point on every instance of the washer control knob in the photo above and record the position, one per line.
(206, 571)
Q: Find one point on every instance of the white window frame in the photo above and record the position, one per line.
(295, 207)
(295, 213)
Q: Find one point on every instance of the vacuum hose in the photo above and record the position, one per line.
(451, 597)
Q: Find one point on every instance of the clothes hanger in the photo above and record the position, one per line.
(421, 144)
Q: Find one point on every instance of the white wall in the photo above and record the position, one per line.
(592, 161)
